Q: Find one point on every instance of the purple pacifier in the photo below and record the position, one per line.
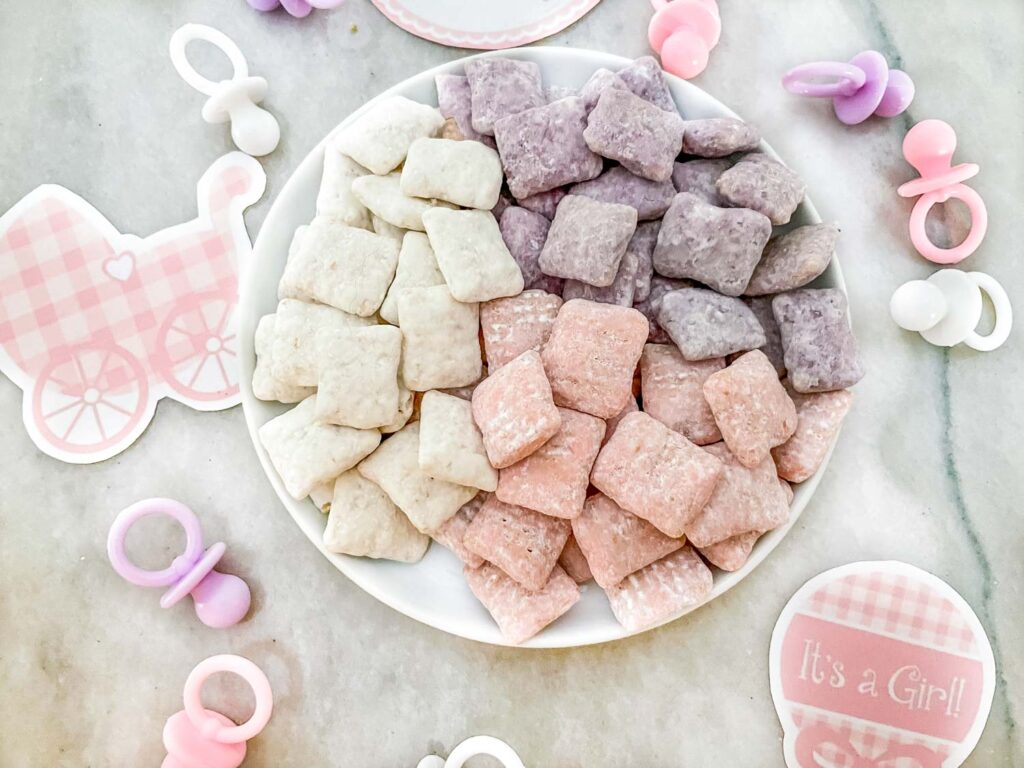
(297, 8)
(221, 600)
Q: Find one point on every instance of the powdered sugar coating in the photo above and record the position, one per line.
(732, 553)
(640, 136)
(621, 291)
(719, 136)
(502, 87)
(595, 86)
(794, 259)
(761, 306)
(642, 244)
(517, 324)
(454, 101)
(705, 324)
(452, 532)
(673, 392)
(544, 203)
(524, 233)
(819, 417)
(587, 240)
(819, 348)
(652, 305)
(645, 78)
(698, 177)
(617, 185)
(764, 185)
(574, 562)
(661, 590)
(520, 613)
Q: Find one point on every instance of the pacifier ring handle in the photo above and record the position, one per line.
(483, 745)
(179, 566)
(848, 78)
(249, 672)
(179, 58)
(1003, 311)
(979, 224)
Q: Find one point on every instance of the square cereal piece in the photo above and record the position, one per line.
(465, 173)
(764, 185)
(732, 553)
(554, 478)
(516, 324)
(761, 306)
(306, 452)
(751, 407)
(660, 591)
(673, 392)
(642, 244)
(500, 87)
(819, 417)
(617, 185)
(620, 292)
(514, 410)
(794, 259)
(364, 522)
(384, 229)
(587, 240)
(395, 467)
(358, 376)
(454, 101)
(612, 424)
(544, 148)
(523, 543)
(705, 324)
(471, 255)
(520, 613)
(698, 177)
(745, 499)
(641, 137)
(645, 78)
(265, 386)
(719, 137)
(574, 562)
(295, 355)
(417, 268)
(819, 349)
(591, 355)
(440, 339)
(342, 266)
(380, 137)
(405, 408)
(544, 203)
(524, 233)
(617, 543)
(384, 197)
(595, 86)
(451, 534)
(650, 306)
(335, 197)
(451, 447)
(322, 494)
(655, 473)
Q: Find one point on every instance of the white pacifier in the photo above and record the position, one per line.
(946, 308)
(477, 745)
(254, 130)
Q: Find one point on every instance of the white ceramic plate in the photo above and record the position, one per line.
(433, 591)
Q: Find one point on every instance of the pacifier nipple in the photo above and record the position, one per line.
(918, 305)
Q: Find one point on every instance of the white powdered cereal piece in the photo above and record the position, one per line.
(384, 197)
(265, 385)
(380, 138)
(395, 467)
(451, 446)
(440, 339)
(294, 355)
(405, 408)
(336, 198)
(343, 266)
(306, 452)
(462, 172)
(364, 522)
(417, 268)
(389, 231)
(321, 495)
(358, 381)
(284, 289)
(472, 255)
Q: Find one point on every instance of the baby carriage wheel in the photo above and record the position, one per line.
(90, 398)
(196, 346)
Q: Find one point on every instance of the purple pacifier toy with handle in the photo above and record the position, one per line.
(297, 8)
(221, 600)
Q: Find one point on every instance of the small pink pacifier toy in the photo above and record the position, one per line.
(929, 147)
(297, 8)
(683, 32)
(860, 88)
(221, 600)
(200, 738)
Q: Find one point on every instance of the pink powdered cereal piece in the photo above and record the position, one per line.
(525, 233)
(454, 101)
(515, 411)
(751, 407)
(658, 592)
(523, 543)
(517, 324)
(656, 473)
(544, 203)
(554, 478)
(819, 417)
(518, 612)
(673, 392)
(733, 553)
(451, 534)
(745, 499)
(613, 422)
(591, 355)
(574, 562)
(617, 543)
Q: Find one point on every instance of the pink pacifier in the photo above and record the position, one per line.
(221, 600)
(200, 738)
(860, 88)
(929, 147)
(683, 32)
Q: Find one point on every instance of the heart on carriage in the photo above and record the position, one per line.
(97, 326)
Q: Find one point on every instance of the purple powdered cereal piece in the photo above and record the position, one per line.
(642, 244)
(617, 185)
(524, 233)
(559, 92)
(719, 247)
(819, 348)
(595, 86)
(719, 136)
(620, 292)
(705, 324)
(504, 202)
(661, 590)
(699, 176)
(645, 78)
(453, 99)
(639, 135)
(544, 148)
(761, 306)
(763, 185)
(502, 87)
(794, 259)
(587, 240)
(650, 306)
(544, 203)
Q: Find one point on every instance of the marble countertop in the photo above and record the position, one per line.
(928, 469)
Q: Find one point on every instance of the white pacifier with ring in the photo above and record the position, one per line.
(477, 745)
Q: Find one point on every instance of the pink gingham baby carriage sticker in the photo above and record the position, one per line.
(880, 665)
(96, 326)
